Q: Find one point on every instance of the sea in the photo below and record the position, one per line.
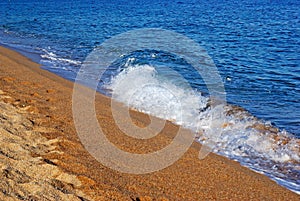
(254, 46)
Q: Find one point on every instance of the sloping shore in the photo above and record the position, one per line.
(41, 156)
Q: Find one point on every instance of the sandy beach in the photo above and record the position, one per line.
(42, 158)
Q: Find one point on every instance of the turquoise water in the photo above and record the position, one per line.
(254, 44)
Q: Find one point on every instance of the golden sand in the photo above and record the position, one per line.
(41, 157)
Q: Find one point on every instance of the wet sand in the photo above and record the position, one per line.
(42, 158)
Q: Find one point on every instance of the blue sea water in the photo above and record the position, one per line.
(255, 45)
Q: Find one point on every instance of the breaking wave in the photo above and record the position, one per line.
(235, 133)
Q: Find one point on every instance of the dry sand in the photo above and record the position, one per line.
(41, 157)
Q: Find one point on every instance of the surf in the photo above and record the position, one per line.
(230, 130)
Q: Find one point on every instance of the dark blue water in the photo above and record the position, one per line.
(255, 44)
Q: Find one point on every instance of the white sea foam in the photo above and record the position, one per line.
(234, 132)
(140, 88)
(53, 57)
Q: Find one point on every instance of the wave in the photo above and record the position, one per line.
(52, 57)
(235, 133)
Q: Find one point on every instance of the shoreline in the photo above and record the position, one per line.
(50, 97)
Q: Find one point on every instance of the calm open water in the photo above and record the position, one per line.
(255, 44)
